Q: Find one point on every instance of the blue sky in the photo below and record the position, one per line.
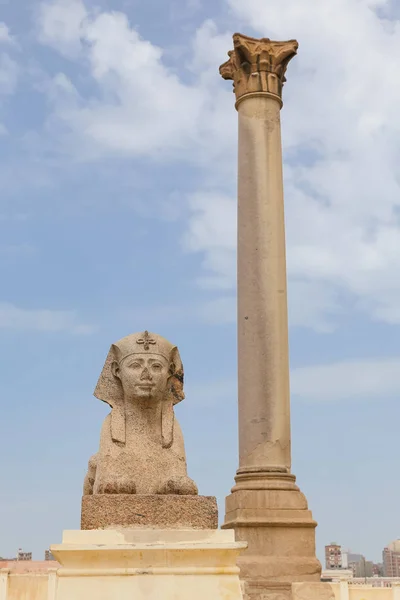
(117, 213)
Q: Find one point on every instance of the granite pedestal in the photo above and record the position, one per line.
(105, 511)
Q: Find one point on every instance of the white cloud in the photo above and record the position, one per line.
(211, 230)
(150, 110)
(9, 71)
(208, 46)
(9, 68)
(5, 36)
(341, 131)
(362, 379)
(342, 142)
(52, 321)
(313, 304)
(60, 25)
(136, 105)
(358, 380)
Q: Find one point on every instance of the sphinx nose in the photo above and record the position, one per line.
(146, 375)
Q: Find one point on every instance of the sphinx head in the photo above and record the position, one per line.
(144, 368)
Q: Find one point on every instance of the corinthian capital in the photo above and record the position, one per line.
(258, 66)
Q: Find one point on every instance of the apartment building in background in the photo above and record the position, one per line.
(337, 558)
(333, 556)
(24, 555)
(391, 559)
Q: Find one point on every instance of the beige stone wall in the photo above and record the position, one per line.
(35, 586)
(27, 587)
(367, 593)
(316, 591)
(28, 566)
(342, 591)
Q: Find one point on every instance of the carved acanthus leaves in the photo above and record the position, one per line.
(258, 65)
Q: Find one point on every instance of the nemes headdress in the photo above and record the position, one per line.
(109, 388)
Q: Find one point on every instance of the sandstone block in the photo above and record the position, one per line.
(312, 591)
(148, 564)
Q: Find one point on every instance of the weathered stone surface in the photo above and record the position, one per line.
(103, 511)
(312, 591)
(134, 564)
(141, 444)
(258, 65)
(266, 508)
(253, 590)
(280, 533)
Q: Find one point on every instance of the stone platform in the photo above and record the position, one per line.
(148, 564)
(107, 511)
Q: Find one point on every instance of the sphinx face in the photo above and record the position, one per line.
(143, 377)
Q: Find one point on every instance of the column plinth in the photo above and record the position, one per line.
(266, 508)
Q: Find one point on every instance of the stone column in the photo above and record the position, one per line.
(4, 573)
(52, 584)
(344, 587)
(396, 590)
(265, 508)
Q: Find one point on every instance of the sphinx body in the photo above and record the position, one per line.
(141, 443)
(141, 466)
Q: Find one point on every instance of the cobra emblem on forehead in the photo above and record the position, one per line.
(146, 340)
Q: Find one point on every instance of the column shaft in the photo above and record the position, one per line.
(265, 507)
(263, 362)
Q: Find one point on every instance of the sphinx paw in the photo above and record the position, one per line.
(182, 486)
(116, 487)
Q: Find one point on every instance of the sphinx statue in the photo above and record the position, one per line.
(141, 444)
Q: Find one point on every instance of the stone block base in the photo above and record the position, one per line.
(104, 511)
(274, 519)
(287, 591)
(258, 590)
(313, 591)
(148, 565)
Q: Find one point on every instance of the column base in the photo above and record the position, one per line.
(267, 510)
(148, 564)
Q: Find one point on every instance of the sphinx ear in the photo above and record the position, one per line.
(177, 377)
(115, 369)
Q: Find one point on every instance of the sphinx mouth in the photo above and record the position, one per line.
(146, 386)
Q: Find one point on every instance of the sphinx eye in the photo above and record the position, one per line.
(135, 365)
(156, 367)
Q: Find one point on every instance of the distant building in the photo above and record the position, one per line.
(333, 556)
(338, 558)
(355, 563)
(24, 555)
(363, 568)
(48, 555)
(354, 558)
(377, 570)
(345, 558)
(391, 559)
